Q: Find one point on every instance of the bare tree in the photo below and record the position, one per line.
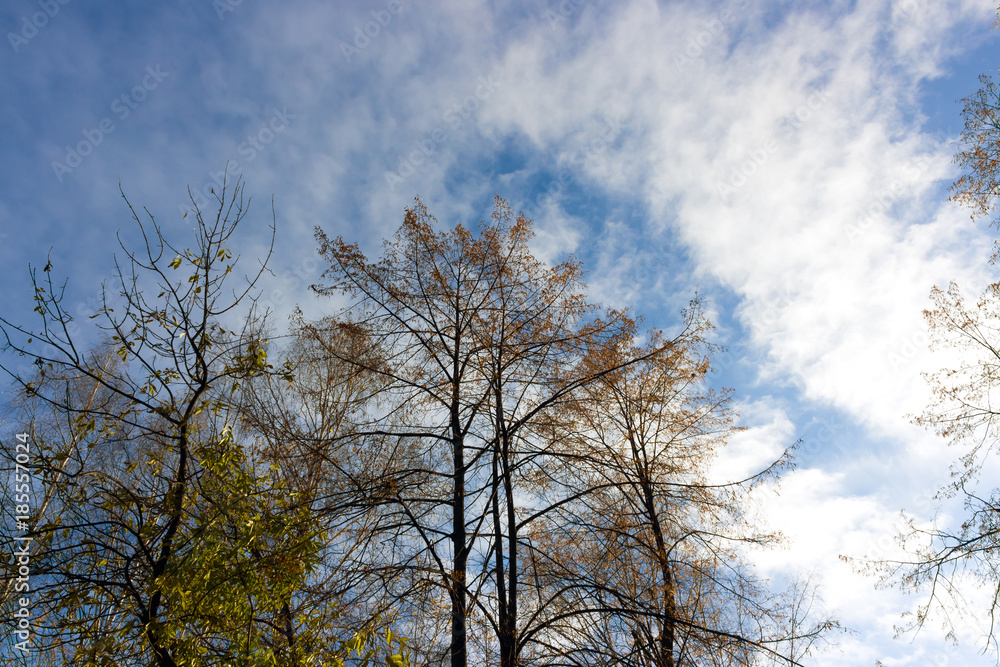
(647, 554)
(481, 343)
(942, 561)
(493, 382)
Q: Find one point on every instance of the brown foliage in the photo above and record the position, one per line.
(979, 186)
(543, 474)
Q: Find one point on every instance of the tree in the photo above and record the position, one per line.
(647, 554)
(979, 187)
(157, 538)
(470, 453)
(419, 302)
(541, 345)
(943, 561)
(426, 303)
(491, 373)
(303, 422)
(480, 343)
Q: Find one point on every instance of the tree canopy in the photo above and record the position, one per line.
(470, 463)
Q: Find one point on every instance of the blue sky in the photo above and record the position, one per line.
(787, 160)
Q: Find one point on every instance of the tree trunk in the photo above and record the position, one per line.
(459, 655)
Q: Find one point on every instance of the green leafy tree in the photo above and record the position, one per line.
(157, 538)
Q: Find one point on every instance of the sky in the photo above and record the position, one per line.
(787, 161)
